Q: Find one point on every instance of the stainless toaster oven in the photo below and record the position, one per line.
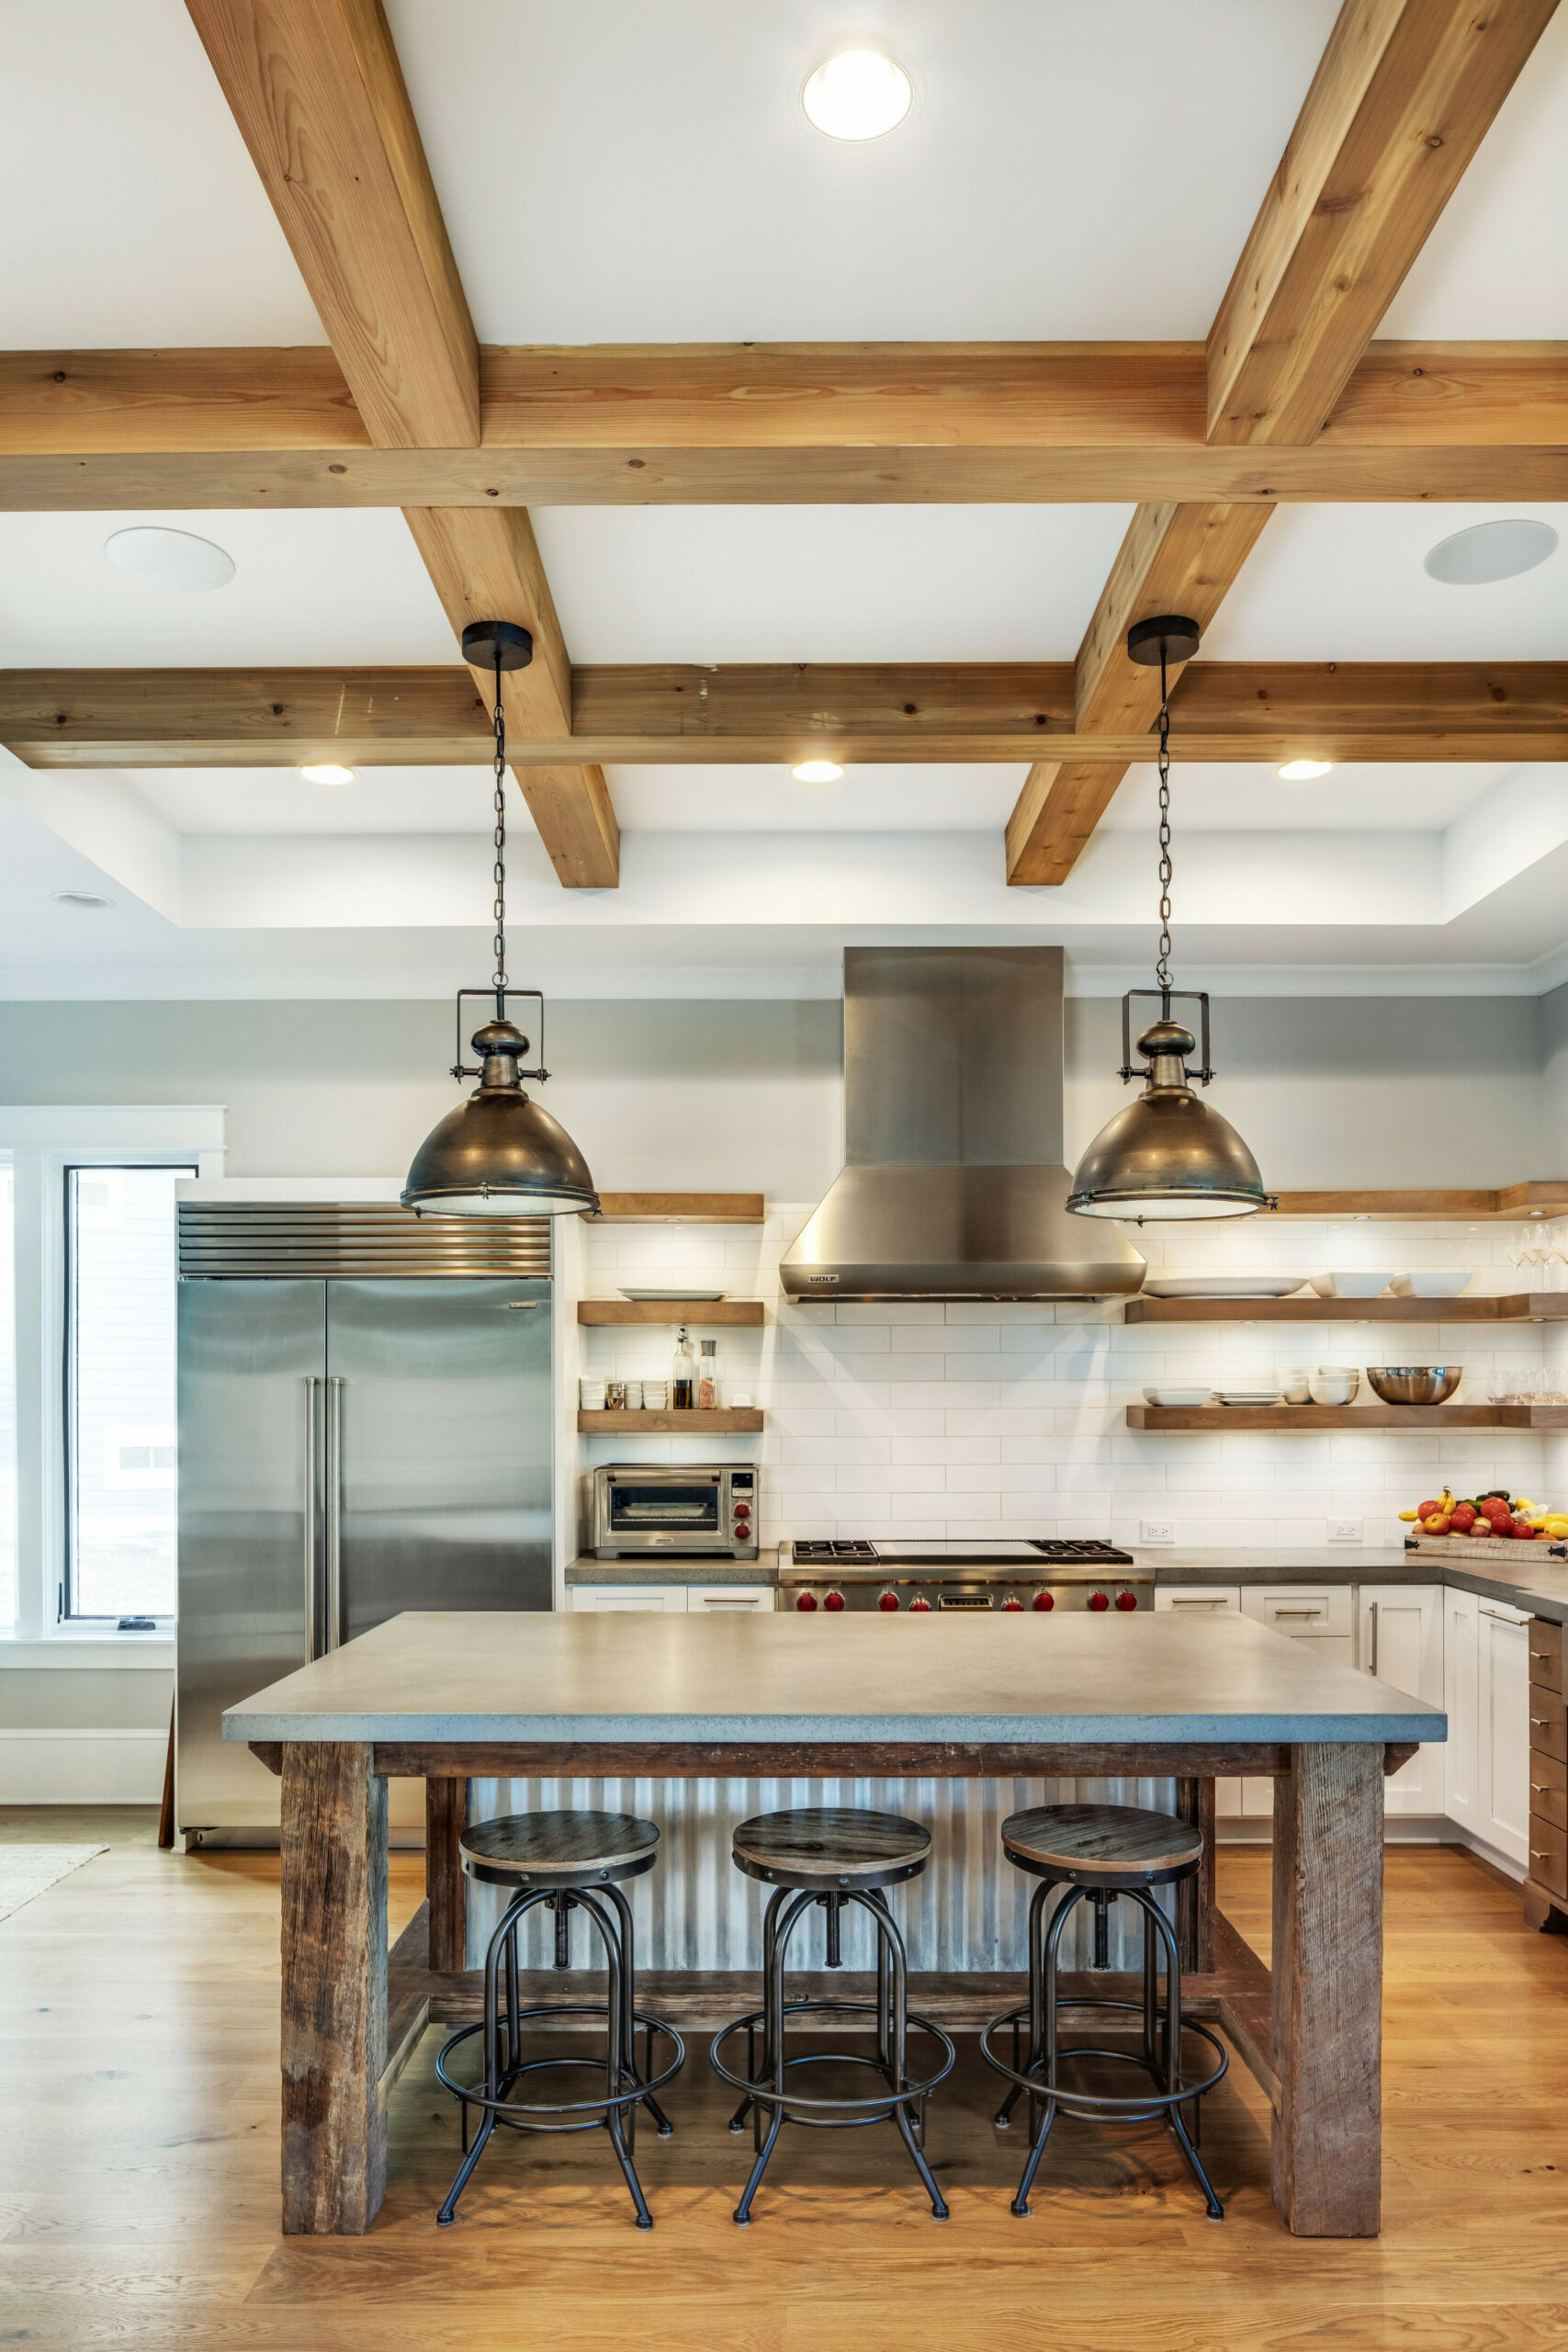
(703, 1509)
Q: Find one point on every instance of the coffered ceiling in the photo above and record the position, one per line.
(613, 175)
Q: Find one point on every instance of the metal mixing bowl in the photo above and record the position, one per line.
(1415, 1383)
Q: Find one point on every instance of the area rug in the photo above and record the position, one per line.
(26, 1871)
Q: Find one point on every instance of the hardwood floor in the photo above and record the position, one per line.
(139, 2169)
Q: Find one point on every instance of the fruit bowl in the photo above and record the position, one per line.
(1415, 1383)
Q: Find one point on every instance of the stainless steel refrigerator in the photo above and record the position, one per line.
(351, 1444)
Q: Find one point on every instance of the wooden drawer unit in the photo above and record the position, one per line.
(1549, 1789)
(1548, 1855)
(1548, 1724)
(1546, 1655)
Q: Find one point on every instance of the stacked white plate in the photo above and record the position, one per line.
(1223, 1286)
(1248, 1396)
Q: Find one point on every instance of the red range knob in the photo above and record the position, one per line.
(1044, 1600)
(808, 1601)
(1012, 1604)
(917, 1603)
(1126, 1601)
(1099, 1601)
(887, 1601)
(833, 1600)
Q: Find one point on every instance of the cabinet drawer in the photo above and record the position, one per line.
(738, 1599)
(1549, 1726)
(1200, 1599)
(1546, 1655)
(1299, 1608)
(1549, 1789)
(1549, 1854)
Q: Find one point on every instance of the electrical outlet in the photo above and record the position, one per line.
(1344, 1530)
(1156, 1530)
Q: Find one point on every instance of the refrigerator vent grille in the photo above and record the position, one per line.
(235, 1241)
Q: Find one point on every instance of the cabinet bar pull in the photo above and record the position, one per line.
(1219, 1603)
(1298, 1613)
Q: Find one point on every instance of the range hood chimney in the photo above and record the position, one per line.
(954, 1185)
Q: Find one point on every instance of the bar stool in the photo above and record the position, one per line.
(1100, 1852)
(572, 1861)
(825, 1856)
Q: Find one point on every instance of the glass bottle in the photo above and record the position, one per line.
(683, 1378)
(707, 1376)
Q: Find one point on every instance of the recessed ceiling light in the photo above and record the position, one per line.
(817, 772)
(88, 900)
(1303, 771)
(170, 558)
(328, 773)
(859, 93)
(1489, 551)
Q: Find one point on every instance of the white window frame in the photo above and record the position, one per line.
(42, 1141)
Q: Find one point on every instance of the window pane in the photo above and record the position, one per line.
(7, 1402)
(122, 1466)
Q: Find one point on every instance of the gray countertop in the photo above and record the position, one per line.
(1519, 1575)
(476, 1677)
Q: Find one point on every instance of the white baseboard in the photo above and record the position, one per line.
(82, 1767)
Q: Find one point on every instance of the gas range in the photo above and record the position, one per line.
(1039, 1574)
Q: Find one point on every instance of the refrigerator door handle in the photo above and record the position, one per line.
(312, 1504)
(334, 1512)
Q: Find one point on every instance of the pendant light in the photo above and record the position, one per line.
(1168, 1154)
(498, 1154)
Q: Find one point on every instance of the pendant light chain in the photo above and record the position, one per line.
(1162, 965)
(500, 982)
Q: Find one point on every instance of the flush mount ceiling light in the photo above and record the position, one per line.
(860, 93)
(170, 558)
(818, 772)
(1166, 1155)
(326, 772)
(88, 901)
(498, 1154)
(1303, 771)
(1489, 551)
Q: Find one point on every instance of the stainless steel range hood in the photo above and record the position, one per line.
(954, 1185)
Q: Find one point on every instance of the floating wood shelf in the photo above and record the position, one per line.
(1510, 1306)
(1546, 1198)
(729, 1420)
(1348, 1417)
(678, 1208)
(743, 1311)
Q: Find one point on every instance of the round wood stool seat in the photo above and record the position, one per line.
(1102, 1845)
(831, 1846)
(558, 1849)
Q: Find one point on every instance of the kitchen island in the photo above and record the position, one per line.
(448, 1697)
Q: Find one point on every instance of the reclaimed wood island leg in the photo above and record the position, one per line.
(1327, 1972)
(334, 1988)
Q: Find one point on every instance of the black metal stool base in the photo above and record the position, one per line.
(613, 2107)
(767, 2091)
(1039, 2076)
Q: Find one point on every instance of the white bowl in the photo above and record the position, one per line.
(1437, 1281)
(1331, 1385)
(1176, 1396)
(1353, 1283)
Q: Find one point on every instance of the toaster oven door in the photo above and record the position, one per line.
(658, 1514)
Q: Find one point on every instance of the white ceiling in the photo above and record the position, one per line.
(615, 172)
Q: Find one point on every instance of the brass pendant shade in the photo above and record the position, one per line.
(498, 1154)
(1168, 1154)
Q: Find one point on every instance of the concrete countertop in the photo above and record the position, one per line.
(763, 1569)
(471, 1676)
(1521, 1576)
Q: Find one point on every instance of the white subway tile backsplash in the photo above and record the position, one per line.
(931, 1418)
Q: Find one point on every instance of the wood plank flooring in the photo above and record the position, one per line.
(139, 2169)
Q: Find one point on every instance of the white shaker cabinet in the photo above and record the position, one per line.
(1504, 1728)
(1399, 1639)
(1319, 1616)
(1207, 1600)
(668, 1598)
(1461, 1702)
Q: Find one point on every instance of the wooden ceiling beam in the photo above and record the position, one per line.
(783, 411)
(1403, 97)
(672, 714)
(1400, 102)
(318, 97)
